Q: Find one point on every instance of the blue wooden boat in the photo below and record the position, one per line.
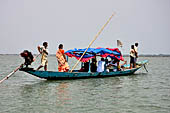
(91, 53)
(51, 75)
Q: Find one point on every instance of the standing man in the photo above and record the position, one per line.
(44, 52)
(136, 51)
(132, 57)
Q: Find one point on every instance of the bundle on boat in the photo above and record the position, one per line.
(113, 53)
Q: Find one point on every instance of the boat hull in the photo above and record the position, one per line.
(51, 75)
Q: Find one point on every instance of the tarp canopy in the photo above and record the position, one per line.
(113, 53)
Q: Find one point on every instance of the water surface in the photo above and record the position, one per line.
(139, 93)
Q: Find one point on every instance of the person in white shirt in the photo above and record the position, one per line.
(136, 51)
(132, 57)
(101, 65)
(44, 52)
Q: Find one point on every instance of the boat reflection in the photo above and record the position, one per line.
(62, 94)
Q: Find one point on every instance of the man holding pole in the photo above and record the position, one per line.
(44, 52)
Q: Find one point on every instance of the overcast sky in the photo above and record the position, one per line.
(25, 24)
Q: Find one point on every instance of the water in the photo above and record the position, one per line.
(139, 93)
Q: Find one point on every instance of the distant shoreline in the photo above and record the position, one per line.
(142, 55)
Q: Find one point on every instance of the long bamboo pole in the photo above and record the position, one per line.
(93, 41)
(10, 74)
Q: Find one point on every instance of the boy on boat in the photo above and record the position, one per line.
(62, 62)
(44, 52)
(136, 51)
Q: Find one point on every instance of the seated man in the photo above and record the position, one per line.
(122, 66)
(86, 66)
(114, 65)
(93, 65)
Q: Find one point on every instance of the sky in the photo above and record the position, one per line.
(25, 24)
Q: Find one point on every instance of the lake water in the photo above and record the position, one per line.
(139, 93)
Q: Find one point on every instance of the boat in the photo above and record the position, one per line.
(91, 53)
(52, 75)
